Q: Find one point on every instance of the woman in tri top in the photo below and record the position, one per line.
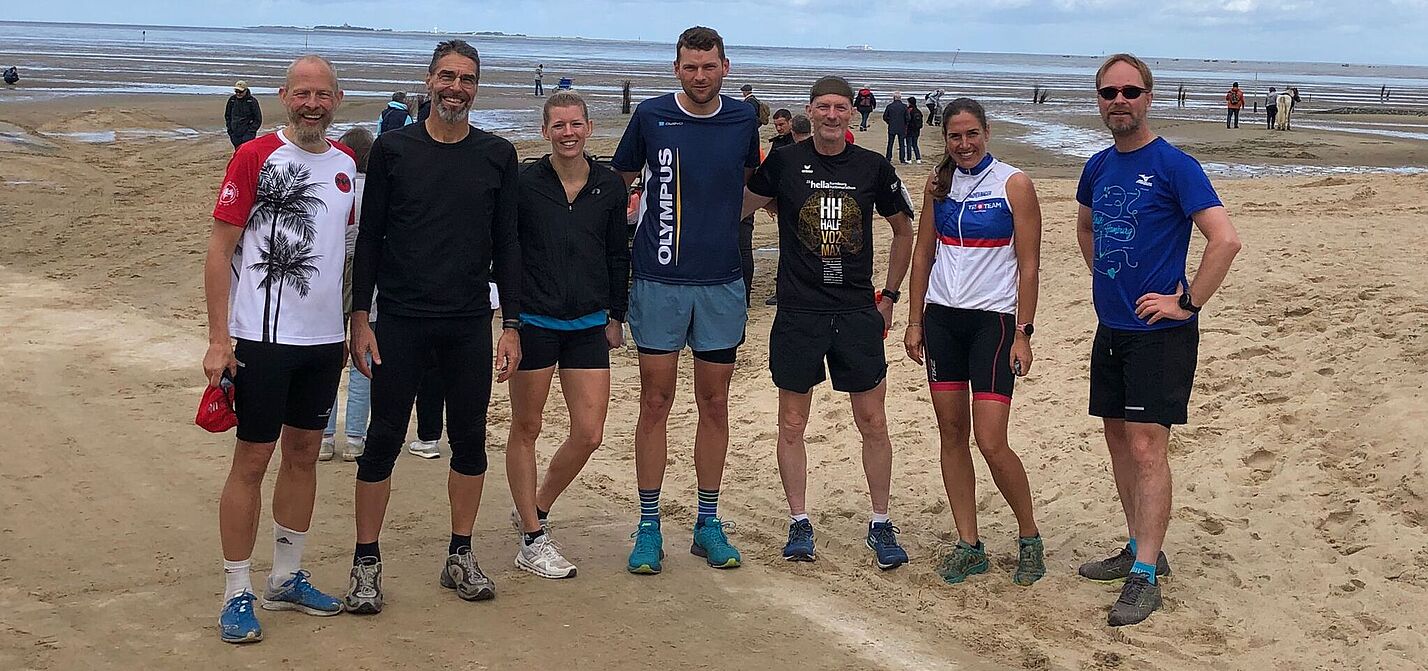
(576, 268)
(974, 290)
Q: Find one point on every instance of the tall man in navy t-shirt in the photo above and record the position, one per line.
(696, 149)
(1138, 201)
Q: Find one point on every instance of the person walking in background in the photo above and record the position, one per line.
(934, 107)
(243, 116)
(865, 103)
(1234, 102)
(359, 388)
(540, 75)
(12, 76)
(895, 116)
(395, 115)
(1271, 107)
(914, 128)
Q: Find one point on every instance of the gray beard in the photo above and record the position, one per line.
(450, 116)
(305, 135)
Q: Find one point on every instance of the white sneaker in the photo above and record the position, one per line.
(543, 558)
(425, 449)
(919, 161)
(354, 448)
(324, 451)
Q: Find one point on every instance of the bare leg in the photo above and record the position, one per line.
(793, 409)
(870, 414)
(242, 499)
(1123, 467)
(587, 398)
(711, 439)
(295, 491)
(989, 421)
(465, 494)
(954, 426)
(658, 375)
(529, 390)
(1149, 448)
(371, 503)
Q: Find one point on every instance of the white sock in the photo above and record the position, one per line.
(287, 553)
(881, 518)
(236, 579)
(799, 517)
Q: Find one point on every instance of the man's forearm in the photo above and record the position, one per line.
(1214, 266)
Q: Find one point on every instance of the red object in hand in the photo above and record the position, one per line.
(215, 409)
(878, 300)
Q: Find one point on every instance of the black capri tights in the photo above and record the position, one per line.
(458, 351)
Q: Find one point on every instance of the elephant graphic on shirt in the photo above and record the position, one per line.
(1113, 226)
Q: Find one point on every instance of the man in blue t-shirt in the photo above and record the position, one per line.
(1139, 200)
(696, 149)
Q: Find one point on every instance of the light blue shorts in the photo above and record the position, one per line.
(666, 317)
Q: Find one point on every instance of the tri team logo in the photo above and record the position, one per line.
(344, 183)
(229, 194)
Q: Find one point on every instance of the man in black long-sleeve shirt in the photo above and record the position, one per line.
(438, 209)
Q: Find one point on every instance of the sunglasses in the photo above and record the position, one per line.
(1130, 92)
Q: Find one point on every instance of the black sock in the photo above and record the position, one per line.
(458, 542)
(366, 550)
(542, 515)
(532, 535)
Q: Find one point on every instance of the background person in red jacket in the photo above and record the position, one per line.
(1234, 102)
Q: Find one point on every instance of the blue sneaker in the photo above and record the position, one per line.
(711, 544)
(237, 623)
(649, 549)
(298, 594)
(882, 540)
(800, 542)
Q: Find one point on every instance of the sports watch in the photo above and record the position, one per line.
(1026, 329)
(1188, 304)
(890, 294)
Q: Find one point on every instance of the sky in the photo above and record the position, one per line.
(1334, 31)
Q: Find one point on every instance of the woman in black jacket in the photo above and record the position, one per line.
(914, 128)
(576, 267)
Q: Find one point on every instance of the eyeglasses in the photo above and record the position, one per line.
(1130, 92)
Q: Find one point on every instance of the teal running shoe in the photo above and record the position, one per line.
(711, 544)
(237, 623)
(964, 562)
(1030, 562)
(298, 594)
(649, 549)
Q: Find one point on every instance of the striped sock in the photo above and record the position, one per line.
(708, 505)
(649, 505)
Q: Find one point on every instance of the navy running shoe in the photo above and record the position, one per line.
(800, 541)
(882, 540)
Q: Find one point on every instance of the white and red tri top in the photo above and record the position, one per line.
(975, 264)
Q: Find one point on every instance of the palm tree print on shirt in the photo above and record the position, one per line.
(288, 202)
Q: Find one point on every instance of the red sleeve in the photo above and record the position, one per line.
(351, 215)
(240, 183)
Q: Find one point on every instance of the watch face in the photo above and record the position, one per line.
(1028, 329)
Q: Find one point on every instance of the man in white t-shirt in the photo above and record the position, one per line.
(273, 284)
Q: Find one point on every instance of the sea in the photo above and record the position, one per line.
(73, 59)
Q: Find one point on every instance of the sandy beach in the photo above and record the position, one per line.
(1299, 531)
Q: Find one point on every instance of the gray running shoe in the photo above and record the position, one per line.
(326, 448)
(464, 575)
(1115, 568)
(364, 588)
(1030, 562)
(1139, 598)
(516, 524)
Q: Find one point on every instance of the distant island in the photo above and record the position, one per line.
(364, 29)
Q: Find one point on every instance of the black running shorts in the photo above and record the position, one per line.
(852, 342)
(543, 348)
(284, 385)
(1144, 376)
(969, 350)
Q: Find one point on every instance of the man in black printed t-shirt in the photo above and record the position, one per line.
(827, 191)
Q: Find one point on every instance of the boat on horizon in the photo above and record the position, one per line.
(859, 47)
